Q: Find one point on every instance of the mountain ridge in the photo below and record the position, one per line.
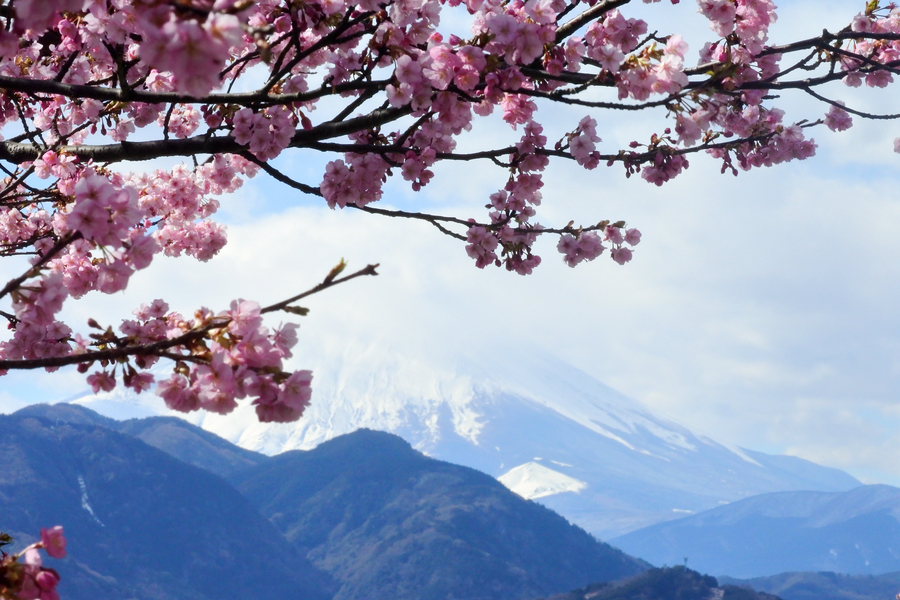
(639, 468)
(382, 520)
(669, 583)
(852, 532)
(140, 523)
(824, 585)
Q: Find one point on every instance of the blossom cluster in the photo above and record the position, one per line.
(265, 133)
(588, 246)
(23, 575)
(243, 359)
(866, 52)
(220, 359)
(114, 225)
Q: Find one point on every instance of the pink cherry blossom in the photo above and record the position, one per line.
(621, 255)
(613, 234)
(47, 580)
(632, 236)
(54, 541)
(101, 381)
(586, 248)
(838, 119)
(32, 557)
(177, 394)
(296, 390)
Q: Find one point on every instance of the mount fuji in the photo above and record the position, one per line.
(547, 430)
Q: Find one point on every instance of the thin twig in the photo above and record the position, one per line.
(13, 284)
(160, 348)
(327, 283)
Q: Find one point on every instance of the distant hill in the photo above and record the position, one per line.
(672, 583)
(854, 532)
(825, 586)
(173, 436)
(140, 523)
(390, 523)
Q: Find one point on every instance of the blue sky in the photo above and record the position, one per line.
(761, 310)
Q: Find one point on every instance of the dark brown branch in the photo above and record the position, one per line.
(308, 189)
(111, 354)
(414, 215)
(95, 92)
(66, 66)
(801, 84)
(19, 152)
(826, 37)
(183, 357)
(558, 97)
(160, 347)
(802, 64)
(279, 176)
(446, 231)
(359, 101)
(332, 38)
(14, 284)
(565, 13)
(586, 17)
(859, 113)
(16, 182)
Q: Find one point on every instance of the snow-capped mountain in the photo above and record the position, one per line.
(546, 429)
(532, 481)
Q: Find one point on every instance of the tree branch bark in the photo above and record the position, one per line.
(18, 152)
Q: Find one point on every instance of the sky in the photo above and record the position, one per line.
(760, 310)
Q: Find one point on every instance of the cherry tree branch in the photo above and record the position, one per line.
(865, 115)
(826, 37)
(330, 281)
(18, 152)
(435, 220)
(279, 176)
(15, 283)
(160, 348)
(108, 94)
(595, 12)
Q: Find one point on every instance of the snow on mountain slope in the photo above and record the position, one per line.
(497, 413)
(532, 481)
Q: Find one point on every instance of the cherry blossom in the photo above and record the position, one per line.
(837, 119)
(54, 541)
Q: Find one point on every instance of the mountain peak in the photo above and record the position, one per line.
(533, 480)
(389, 522)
